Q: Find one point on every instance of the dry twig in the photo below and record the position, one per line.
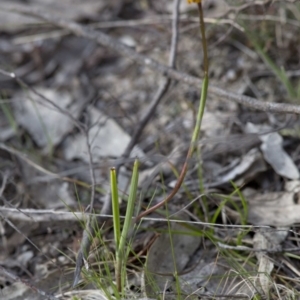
(107, 41)
(88, 235)
(163, 88)
(31, 286)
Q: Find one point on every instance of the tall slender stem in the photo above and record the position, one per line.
(197, 125)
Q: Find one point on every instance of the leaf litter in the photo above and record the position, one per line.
(108, 95)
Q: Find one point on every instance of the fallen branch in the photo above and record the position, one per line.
(43, 215)
(107, 41)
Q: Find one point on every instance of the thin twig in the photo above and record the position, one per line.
(249, 249)
(3, 184)
(83, 130)
(12, 225)
(162, 88)
(196, 128)
(92, 172)
(31, 286)
(45, 99)
(45, 215)
(81, 127)
(89, 230)
(107, 41)
(174, 42)
(86, 241)
(41, 169)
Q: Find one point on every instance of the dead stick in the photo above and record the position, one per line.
(107, 41)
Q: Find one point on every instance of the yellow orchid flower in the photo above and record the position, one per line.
(194, 1)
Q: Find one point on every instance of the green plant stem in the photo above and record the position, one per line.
(197, 125)
(116, 221)
(121, 238)
(122, 256)
(204, 44)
